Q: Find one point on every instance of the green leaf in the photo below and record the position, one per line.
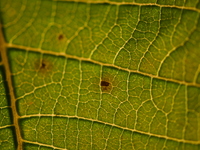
(100, 74)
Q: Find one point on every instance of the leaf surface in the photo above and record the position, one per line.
(100, 74)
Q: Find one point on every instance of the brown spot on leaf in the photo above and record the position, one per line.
(104, 83)
(60, 37)
(43, 66)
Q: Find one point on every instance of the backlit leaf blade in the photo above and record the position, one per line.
(60, 52)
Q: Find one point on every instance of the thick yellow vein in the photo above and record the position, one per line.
(131, 3)
(5, 62)
(41, 144)
(114, 125)
(102, 64)
(6, 126)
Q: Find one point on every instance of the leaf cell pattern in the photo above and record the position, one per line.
(100, 74)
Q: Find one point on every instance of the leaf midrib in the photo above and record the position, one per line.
(5, 63)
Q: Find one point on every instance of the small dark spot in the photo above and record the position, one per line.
(105, 86)
(107, 81)
(104, 83)
(60, 37)
(43, 65)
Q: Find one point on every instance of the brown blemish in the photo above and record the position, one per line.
(105, 86)
(60, 37)
(43, 66)
(106, 83)
(30, 103)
